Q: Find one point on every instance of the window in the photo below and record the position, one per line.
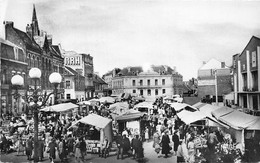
(163, 91)
(141, 92)
(148, 82)
(156, 81)
(141, 82)
(16, 53)
(149, 92)
(134, 91)
(68, 96)
(156, 91)
(163, 81)
(67, 84)
(133, 82)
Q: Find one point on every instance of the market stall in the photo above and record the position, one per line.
(60, 107)
(104, 124)
(134, 121)
(182, 106)
(119, 108)
(145, 106)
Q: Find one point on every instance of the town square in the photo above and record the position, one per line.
(141, 81)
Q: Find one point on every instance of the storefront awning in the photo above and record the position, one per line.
(130, 116)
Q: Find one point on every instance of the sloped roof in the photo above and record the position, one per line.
(95, 120)
(54, 51)
(73, 72)
(27, 40)
(130, 71)
(97, 79)
(161, 69)
(212, 64)
(253, 37)
(9, 43)
(39, 40)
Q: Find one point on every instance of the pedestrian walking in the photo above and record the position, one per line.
(165, 144)
(52, 150)
(156, 142)
(146, 134)
(41, 147)
(176, 141)
(29, 148)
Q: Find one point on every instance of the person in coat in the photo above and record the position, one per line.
(52, 150)
(176, 141)
(41, 147)
(29, 148)
(165, 144)
(139, 148)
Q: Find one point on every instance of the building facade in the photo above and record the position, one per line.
(83, 64)
(39, 51)
(214, 74)
(13, 61)
(246, 72)
(151, 83)
(74, 85)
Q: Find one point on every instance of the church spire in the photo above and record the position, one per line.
(35, 26)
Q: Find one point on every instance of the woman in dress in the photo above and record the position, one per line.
(146, 134)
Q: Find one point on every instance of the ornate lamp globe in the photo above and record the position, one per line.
(55, 78)
(35, 73)
(17, 80)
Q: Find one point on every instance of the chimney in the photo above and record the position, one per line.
(129, 69)
(29, 30)
(223, 64)
(49, 38)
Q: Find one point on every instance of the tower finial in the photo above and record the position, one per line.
(35, 26)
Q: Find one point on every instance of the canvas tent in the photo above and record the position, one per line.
(238, 120)
(103, 123)
(199, 105)
(119, 108)
(60, 107)
(221, 112)
(181, 106)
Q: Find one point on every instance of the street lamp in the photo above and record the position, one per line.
(17, 81)
(35, 74)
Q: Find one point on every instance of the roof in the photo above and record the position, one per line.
(27, 40)
(97, 79)
(161, 69)
(9, 43)
(212, 64)
(238, 120)
(95, 120)
(253, 37)
(73, 72)
(130, 116)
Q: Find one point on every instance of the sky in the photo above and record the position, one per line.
(121, 33)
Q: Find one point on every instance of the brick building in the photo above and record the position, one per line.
(207, 79)
(39, 51)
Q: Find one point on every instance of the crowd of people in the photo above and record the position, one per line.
(56, 136)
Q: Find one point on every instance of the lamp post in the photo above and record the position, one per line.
(35, 75)
(17, 81)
